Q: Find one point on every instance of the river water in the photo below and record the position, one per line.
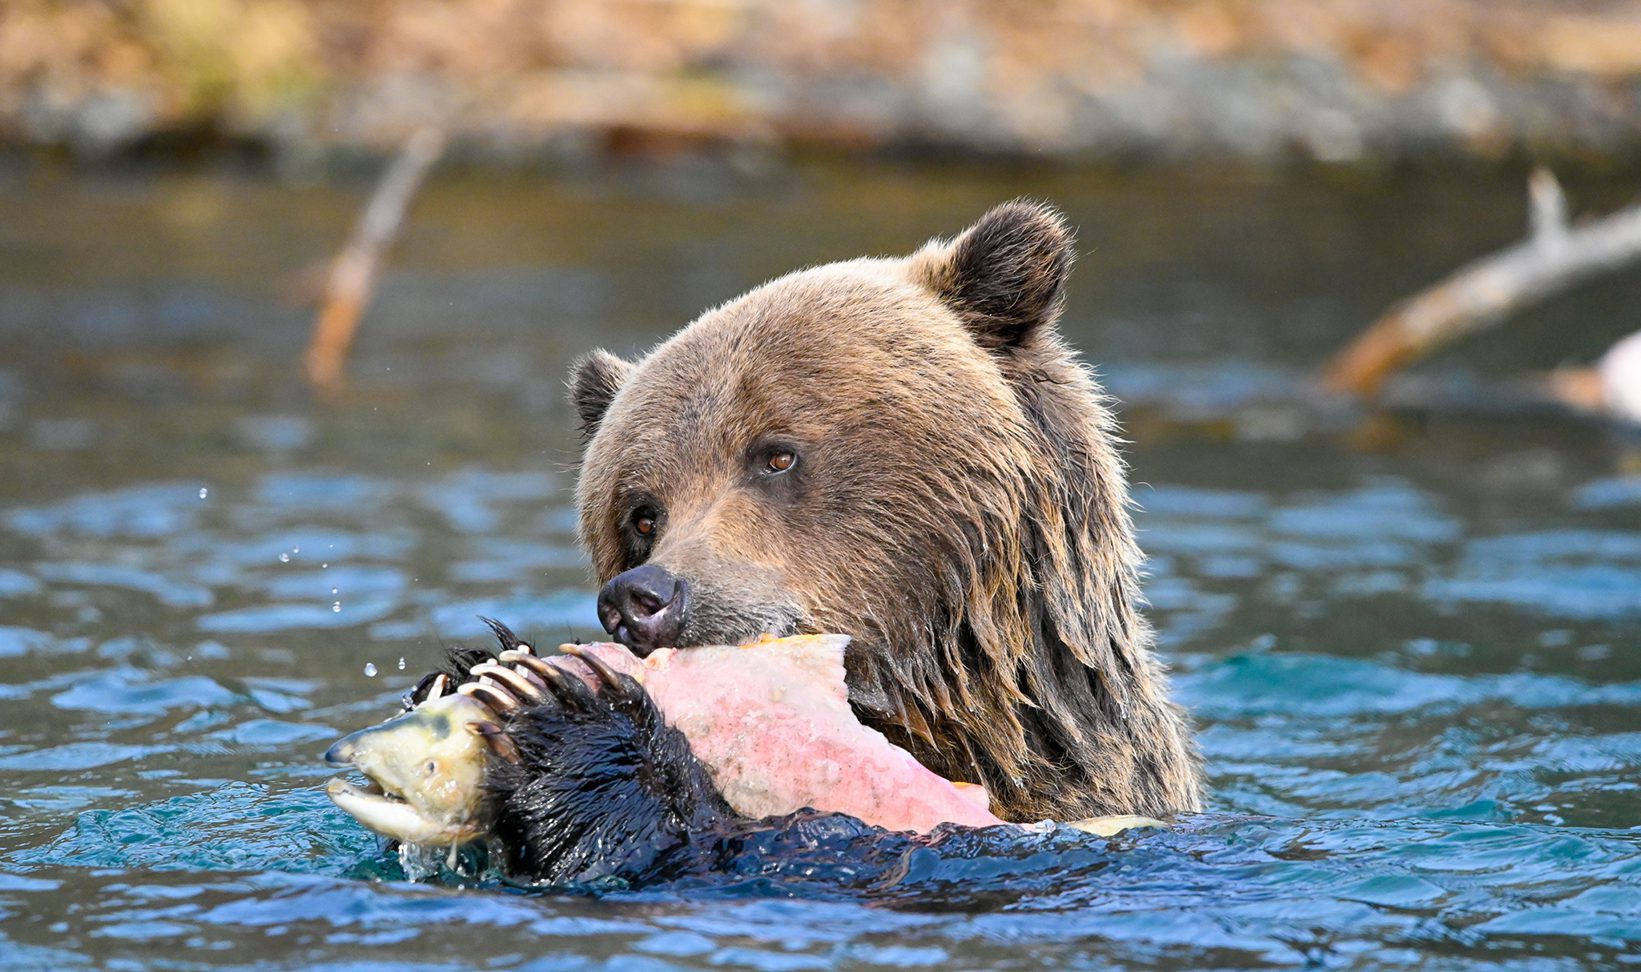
(1412, 641)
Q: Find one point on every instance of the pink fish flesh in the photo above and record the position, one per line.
(771, 722)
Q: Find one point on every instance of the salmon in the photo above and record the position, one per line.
(772, 724)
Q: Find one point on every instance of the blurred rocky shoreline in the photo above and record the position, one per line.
(1099, 80)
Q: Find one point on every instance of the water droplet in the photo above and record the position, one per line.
(370, 669)
(296, 550)
(336, 608)
(333, 590)
(203, 492)
(325, 566)
(401, 663)
(284, 557)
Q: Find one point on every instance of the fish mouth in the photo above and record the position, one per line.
(371, 791)
(378, 804)
(346, 753)
(375, 800)
(390, 814)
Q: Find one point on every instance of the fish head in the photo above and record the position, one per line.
(425, 771)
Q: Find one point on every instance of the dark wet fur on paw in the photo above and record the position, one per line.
(594, 790)
(603, 790)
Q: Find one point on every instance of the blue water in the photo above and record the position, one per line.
(1410, 640)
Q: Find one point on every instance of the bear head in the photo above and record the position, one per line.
(905, 451)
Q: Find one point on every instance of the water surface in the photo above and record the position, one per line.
(1410, 641)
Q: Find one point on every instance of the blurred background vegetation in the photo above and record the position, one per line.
(1261, 80)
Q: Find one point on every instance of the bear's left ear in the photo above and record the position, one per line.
(594, 380)
(1005, 276)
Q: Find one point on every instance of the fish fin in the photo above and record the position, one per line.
(819, 656)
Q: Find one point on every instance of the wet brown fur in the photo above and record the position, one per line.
(958, 506)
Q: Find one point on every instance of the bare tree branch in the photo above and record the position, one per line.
(353, 274)
(1556, 256)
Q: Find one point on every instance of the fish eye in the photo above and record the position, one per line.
(431, 767)
(779, 461)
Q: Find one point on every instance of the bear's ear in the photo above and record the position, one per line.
(1005, 276)
(594, 379)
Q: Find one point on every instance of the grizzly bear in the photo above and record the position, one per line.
(903, 450)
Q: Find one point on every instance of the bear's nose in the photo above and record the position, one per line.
(643, 608)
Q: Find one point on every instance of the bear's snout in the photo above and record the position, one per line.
(643, 608)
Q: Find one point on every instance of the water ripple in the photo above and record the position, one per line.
(1418, 711)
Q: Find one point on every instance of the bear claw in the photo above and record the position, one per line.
(496, 698)
(565, 687)
(605, 673)
(570, 691)
(496, 738)
(523, 686)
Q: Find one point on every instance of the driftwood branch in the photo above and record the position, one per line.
(1554, 257)
(353, 274)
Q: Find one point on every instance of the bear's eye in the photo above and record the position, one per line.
(643, 524)
(780, 461)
